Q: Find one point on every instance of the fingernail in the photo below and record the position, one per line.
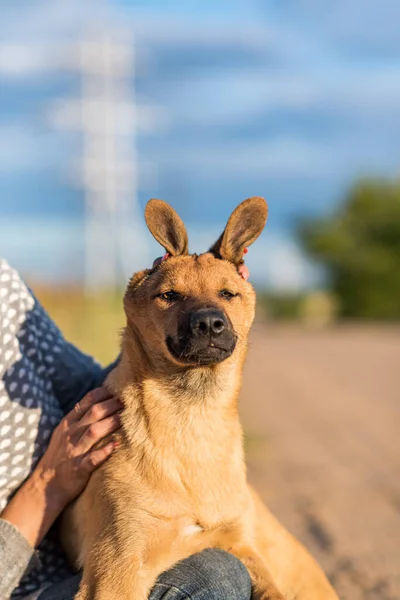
(116, 443)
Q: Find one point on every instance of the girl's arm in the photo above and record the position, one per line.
(60, 476)
(72, 372)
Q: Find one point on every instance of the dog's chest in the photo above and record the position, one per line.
(191, 529)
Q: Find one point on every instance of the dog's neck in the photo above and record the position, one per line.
(148, 384)
(185, 424)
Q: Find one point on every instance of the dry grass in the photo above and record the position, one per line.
(92, 323)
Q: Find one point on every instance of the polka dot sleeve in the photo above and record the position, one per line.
(71, 372)
(41, 377)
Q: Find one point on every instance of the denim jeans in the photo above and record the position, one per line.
(209, 575)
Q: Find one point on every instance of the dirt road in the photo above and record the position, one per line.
(322, 414)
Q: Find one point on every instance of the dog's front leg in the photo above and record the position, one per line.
(264, 587)
(120, 578)
(134, 590)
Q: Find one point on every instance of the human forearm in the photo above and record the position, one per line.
(23, 524)
(60, 476)
(34, 508)
(65, 467)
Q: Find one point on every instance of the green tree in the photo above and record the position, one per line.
(360, 248)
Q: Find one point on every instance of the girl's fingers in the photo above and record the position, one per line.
(89, 436)
(93, 397)
(100, 410)
(95, 458)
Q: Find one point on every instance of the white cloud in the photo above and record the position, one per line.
(45, 20)
(27, 42)
(17, 60)
(223, 96)
(51, 23)
(282, 157)
(363, 98)
(23, 149)
(331, 84)
(17, 149)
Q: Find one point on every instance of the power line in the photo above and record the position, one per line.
(109, 118)
(107, 115)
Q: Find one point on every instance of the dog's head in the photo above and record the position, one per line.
(195, 310)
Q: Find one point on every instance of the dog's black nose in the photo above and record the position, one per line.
(208, 322)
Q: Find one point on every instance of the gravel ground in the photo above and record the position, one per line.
(321, 410)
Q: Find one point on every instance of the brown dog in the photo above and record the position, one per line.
(177, 483)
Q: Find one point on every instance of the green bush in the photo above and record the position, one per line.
(360, 248)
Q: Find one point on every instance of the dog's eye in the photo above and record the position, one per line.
(170, 296)
(227, 294)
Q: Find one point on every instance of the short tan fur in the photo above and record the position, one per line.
(177, 483)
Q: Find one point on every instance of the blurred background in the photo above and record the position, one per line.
(106, 104)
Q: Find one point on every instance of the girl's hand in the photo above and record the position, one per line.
(65, 468)
(70, 457)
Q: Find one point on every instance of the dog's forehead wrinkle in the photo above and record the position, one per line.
(195, 276)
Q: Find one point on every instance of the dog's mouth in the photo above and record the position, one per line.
(205, 336)
(207, 354)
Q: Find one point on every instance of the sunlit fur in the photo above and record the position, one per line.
(177, 483)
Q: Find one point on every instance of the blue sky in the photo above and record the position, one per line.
(289, 99)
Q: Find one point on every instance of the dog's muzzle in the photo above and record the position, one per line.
(205, 337)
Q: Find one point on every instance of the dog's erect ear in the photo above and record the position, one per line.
(243, 228)
(167, 227)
